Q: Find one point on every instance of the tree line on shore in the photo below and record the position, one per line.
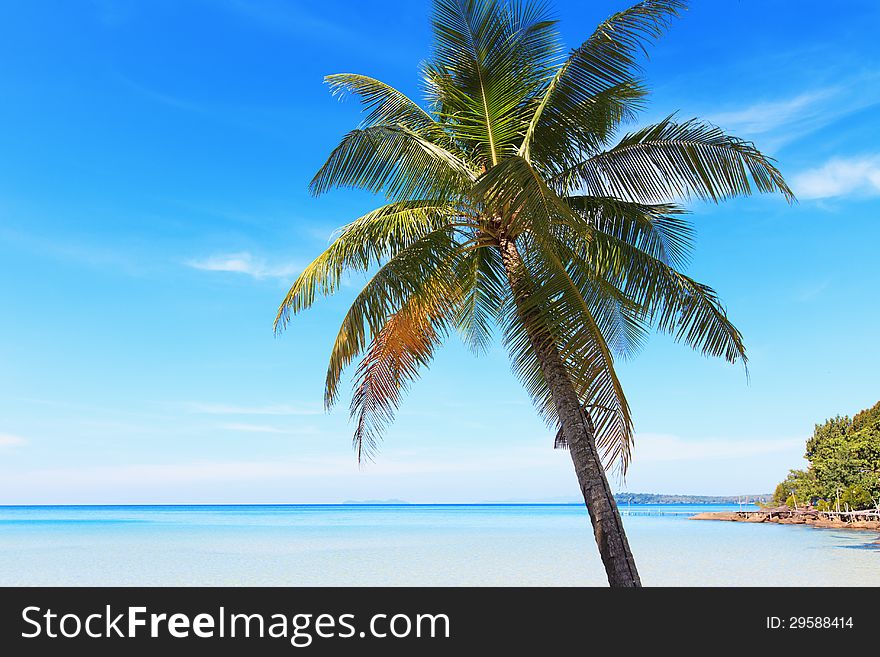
(844, 466)
(656, 498)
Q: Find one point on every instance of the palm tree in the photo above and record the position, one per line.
(511, 209)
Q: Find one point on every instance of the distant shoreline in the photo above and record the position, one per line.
(819, 520)
(184, 505)
(648, 499)
(657, 498)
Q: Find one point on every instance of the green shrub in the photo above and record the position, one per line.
(844, 459)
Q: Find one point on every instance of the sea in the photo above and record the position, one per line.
(412, 545)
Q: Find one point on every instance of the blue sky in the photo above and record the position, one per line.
(154, 162)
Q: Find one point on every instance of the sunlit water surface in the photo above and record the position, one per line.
(412, 545)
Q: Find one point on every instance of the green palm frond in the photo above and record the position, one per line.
(518, 196)
(364, 243)
(489, 60)
(691, 312)
(483, 296)
(415, 273)
(659, 230)
(678, 160)
(395, 160)
(384, 104)
(597, 87)
(568, 139)
(584, 349)
(559, 312)
(515, 191)
(622, 322)
(668, 300)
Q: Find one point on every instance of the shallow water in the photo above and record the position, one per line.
(503, 545)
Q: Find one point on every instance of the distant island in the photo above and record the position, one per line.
(656, 498)
(622, 498)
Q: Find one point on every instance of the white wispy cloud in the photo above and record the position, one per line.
(663, 447)
(266, 429)
(765, 116)
(163, 98)
(810, 292)
(840, 176)
(318, 467)
(8, 440)
(268, 409)
(286, 17)
(395, 467)
(245, 263)
(778, 121)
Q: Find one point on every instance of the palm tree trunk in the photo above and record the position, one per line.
(578, 432)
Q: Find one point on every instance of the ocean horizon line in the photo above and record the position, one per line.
(340, 504)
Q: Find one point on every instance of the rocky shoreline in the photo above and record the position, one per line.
(826, 520)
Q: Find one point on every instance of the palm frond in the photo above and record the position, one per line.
(399, 350)
(671, 160)
(483, 296)
(552, 316)
(692, 313)
(651, 287)
(667, 299)
(515, 193)
(396, 161)
(489, 60)
(582, 345)
(364, 243)
(415, 273)
(622, 322)
(597, 86)
(659, 230)
(384, 104)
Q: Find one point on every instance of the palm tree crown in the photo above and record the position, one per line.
(516, 153)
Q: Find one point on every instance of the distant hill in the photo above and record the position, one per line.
(656, 498)
(622, 498)
(653, 498)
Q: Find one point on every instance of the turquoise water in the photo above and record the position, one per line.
(505, 545)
